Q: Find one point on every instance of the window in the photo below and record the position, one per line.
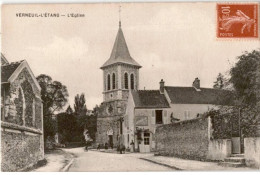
(147, 138)
(126, 81)
(114, 80)
(158, 117)
(132, 81)
(108, 82)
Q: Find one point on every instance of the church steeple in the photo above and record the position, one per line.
(120, 52)
(120, 71)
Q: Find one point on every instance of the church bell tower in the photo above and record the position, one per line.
(120, 75)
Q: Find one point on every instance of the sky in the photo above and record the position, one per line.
(172, 41)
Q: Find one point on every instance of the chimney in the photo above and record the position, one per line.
(162, 86)
(196, 83)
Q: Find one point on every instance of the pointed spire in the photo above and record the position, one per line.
(120, 52)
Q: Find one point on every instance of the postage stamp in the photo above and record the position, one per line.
(237, 20)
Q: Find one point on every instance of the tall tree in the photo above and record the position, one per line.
(79, 105)
(54, 97)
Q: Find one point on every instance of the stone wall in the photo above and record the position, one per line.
(252, 151)
(21, 124)
(20, 149)
(108, 116)
(219, 149)
(103, 125)
(187, 139)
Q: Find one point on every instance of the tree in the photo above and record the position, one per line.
(80, 106)
(219, 83)
(54, 97)
(244, 78)
(69, 110)
(67, 125)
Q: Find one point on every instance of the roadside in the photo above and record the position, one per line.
(57, 160)
(191, 165)
(181, 164)
(62, 159)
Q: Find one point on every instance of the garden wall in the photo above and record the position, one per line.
(252, 151)
(186, 139)
(219, 149)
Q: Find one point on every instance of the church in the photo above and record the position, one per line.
(120, 74)
(129, 116)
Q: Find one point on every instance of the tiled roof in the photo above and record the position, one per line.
(149, 99)
(189, 95)
(120, 52)
(8, 69)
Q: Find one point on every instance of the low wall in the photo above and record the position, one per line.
(187, 139)
(21, 147)
(219, 149)
(252, 151)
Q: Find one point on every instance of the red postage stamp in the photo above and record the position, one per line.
(237, 20)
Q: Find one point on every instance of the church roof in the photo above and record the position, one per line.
(189, 95)
(120, 52)
(8, 69)
(149, 99)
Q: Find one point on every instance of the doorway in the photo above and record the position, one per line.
(110, 141)
(237, 140)
(145, 144)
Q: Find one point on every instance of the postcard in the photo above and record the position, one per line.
(118, 87)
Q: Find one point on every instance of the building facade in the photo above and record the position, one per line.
(120, 74)
(148, 109)
(22, 142)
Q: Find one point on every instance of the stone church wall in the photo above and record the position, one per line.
(108, 116)
(103, 125)
(21, 126)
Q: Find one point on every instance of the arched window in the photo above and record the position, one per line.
(132, 81)
(114, 80)
(126, 80)
(108, 82)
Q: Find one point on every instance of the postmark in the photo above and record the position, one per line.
(237, 20)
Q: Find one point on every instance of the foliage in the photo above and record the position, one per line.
(67, 125)
(219, 83)
(244, 114)
(54, 97)
(232, 121)
(243, 77)
(80, 106)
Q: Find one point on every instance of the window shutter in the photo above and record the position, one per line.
(153, 117)
(165, 117)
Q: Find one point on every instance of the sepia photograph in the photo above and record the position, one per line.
(130, 87)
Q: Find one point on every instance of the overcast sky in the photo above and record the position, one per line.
(172, 41)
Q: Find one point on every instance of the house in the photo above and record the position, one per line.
(148, 109)
(21, 117)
